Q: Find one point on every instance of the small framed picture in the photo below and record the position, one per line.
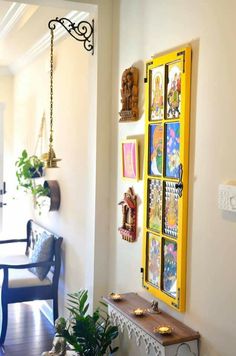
(129, 159)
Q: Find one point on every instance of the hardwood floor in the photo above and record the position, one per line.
(29, 333)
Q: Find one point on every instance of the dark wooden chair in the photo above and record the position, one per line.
(21, 285)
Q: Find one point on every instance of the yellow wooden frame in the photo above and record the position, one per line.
(183, 55)
(135, 142)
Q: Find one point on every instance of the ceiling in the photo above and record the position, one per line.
(24, 32)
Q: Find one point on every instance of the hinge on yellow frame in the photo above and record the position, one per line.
(182, 53)
(147, 65)
(142, 271)
(178, 300)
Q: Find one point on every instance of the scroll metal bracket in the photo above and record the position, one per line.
(83, 31)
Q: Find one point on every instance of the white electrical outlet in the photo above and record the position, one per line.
(227, 197)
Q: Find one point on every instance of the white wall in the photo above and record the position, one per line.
(142, 29)
(71, 142)
(81, 139)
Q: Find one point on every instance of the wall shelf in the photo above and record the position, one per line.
(182, 341)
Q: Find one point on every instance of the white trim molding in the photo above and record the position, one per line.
(44, 42)
(14, 13)
(5, 70)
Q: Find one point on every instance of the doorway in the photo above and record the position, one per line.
(2, 189)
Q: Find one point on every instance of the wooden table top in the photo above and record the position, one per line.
(130, 301)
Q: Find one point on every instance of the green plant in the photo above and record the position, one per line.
(28, 168)
(89, 335)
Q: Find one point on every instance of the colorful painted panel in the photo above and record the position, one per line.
(171, 210)
(154, 260)
(174, 90)
(155, 150)
(155, 204)
(172, 149)
(170, 268)
(157, 93)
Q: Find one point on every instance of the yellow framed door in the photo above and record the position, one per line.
(166, 176)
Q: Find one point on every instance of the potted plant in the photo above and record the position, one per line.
(87, 335)
(29, 168)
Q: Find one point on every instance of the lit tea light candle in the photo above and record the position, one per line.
(164, 329)
(115, 296)
(138, 311)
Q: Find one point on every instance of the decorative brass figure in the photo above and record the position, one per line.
(129, 95)
(129, 211)
(154, 308)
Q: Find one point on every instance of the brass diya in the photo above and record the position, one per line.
(163, 330)
(115, 296)
(138, 311)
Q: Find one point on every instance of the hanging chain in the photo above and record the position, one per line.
(51, 161)
(51, 91)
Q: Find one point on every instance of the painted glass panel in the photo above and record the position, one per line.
(174, 90)
(171, 210)
(157, 93)
(170, 268)
(154, 260)
(155, 150)
(155, 204)
(172, 149)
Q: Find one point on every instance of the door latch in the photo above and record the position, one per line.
(3, 190)
(179, 186)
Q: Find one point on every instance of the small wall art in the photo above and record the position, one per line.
(129, 215)
(129, 95)
(130, 159)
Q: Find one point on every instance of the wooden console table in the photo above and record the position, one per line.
(183, 341)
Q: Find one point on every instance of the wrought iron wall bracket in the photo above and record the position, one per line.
(83, 31)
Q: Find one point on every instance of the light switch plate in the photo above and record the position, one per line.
(227, 197)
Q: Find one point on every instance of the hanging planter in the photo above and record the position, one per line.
(29, 168)
(36, 173)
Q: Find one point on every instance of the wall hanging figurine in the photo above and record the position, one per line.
(129, 95)
(129, 214)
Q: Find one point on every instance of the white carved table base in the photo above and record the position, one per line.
(189, 348)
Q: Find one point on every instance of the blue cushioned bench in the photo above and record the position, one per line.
(23, 279)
